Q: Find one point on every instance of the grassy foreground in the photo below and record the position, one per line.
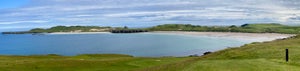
(267, 56)
(95, 62)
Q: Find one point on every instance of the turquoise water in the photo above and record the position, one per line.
(140, 44)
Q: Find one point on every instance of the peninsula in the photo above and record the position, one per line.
(245, 28)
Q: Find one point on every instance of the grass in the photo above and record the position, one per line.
(87, 62)
(266, 56)
(240, 65)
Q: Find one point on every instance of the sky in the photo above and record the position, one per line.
(12, 3)
(145, 13)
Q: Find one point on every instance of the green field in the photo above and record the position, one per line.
(94, 62)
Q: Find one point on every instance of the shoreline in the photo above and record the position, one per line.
(251, 37)
(54, 33)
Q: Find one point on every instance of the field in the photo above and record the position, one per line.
(88, 62)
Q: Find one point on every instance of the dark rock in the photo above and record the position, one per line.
(206, 53)
(195, 55)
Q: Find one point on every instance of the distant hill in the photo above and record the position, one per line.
(245, 28)
(71, 29)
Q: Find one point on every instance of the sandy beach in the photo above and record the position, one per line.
(253, 37)
(54, 33)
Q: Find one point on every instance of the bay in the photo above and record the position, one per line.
(137, 44)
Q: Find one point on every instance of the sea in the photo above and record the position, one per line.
(135, 44)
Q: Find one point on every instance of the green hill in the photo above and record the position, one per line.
(245, 28)
(71, 29)
(264, 25)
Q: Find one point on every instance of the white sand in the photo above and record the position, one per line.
(252, 37)
(80, 33)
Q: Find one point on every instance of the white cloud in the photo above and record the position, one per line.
(17, 22)
(68, 12)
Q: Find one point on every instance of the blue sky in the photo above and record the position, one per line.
(4, 4)
(143, 13)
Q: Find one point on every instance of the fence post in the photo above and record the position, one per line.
(287, 55)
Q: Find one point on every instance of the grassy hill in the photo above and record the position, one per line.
(71, 29)
(270, 28)
(246, 28)
(267, 56)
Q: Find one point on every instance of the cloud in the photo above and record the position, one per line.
(152, 12)
(18, 22)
